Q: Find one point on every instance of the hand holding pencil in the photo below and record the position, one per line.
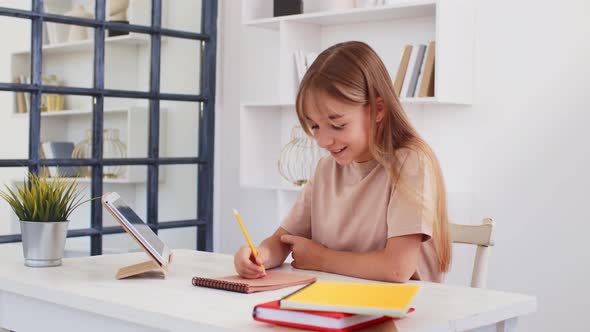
(247, 259)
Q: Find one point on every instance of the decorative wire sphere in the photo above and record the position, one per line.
(299, 157)
(112, 148)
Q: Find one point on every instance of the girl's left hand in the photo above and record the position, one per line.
(307, 254)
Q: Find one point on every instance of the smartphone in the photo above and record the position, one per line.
(136, 227)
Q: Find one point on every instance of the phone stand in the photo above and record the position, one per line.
(140, 268)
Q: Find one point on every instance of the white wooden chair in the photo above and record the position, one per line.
(482, 236)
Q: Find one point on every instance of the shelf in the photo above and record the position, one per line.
(131, 121)
(403, 9)
(266, 104)
(105, 180)
(266, 122)
(88, 44)
(406, 101)
(87, 180)
(429, 101)
(66, 113)
(260, 105)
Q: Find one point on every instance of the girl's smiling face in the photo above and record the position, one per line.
(339, 127)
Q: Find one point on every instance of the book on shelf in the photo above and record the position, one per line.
(421, 72)
(59, 150)
(408, 76)
(415, 73)
(402, 69)
(27, 96)
(299, 64)
(56, 32)
(418, 79)
(379, 299)
(426, 83)
(272, 313)
(302, 62)
(21, 103)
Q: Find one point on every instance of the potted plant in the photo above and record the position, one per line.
(43, 206)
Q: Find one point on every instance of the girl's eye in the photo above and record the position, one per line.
(313, 127)
(339, 127)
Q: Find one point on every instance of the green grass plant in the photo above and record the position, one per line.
(44, 199)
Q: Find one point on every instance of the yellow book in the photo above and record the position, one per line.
(356, 298)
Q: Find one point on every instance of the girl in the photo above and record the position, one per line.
(375, 207)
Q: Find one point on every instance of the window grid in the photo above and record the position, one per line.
(206, 100)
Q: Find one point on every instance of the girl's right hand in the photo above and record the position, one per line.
(245, 264)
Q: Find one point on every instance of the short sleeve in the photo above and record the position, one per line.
(298, 220)
(411, 203)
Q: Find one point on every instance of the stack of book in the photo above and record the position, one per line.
(22, 98)
(338, 306)
(415, 74)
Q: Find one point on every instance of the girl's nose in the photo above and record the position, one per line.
(323, 140)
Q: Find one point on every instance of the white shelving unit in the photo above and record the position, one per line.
(88, 44)
(259, 13)
(127, 67)
(73, 63)
(265, 123)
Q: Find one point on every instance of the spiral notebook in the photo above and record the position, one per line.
(273, 280)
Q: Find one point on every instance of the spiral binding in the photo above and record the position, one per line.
(221, 284)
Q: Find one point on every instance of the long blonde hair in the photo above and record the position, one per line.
(352, 72)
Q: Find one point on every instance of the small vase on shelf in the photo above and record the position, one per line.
(112, 148)
(117, 13)
(287, 7)
(299, 157)
(78, 32)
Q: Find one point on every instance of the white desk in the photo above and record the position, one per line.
(83, 294)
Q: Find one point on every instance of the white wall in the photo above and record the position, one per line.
(520, 148)
(15, 132)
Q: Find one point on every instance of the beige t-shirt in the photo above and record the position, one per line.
(353, 208)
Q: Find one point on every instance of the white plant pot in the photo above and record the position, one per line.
(43, 242)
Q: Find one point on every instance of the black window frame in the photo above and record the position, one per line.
(206, 108)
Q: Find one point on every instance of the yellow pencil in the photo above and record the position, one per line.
(254, 252)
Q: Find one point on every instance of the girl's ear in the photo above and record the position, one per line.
(380, 105)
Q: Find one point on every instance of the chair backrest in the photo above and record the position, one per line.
(482, 236)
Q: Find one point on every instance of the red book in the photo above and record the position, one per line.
(271, 312)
